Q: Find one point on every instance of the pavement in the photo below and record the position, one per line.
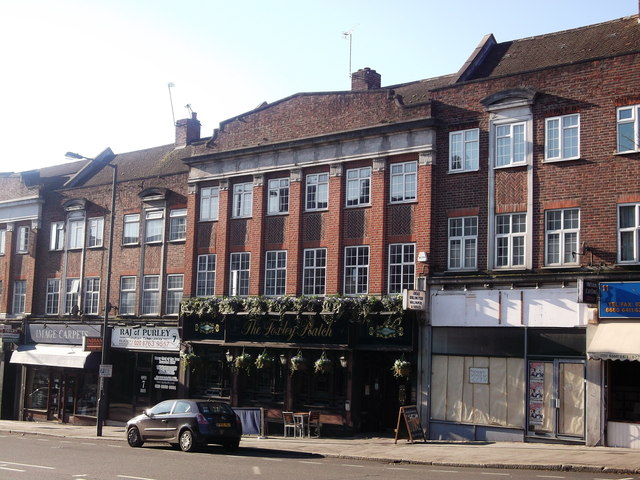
(507, 455)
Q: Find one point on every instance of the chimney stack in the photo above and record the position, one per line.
(187, 130)
(365, 79)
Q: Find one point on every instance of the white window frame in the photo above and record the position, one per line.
(239, 274)
(559, 135)
(278, 196)
(91, 296)
(275, 273)
(56, 236)
(95, 232)
(563, 233)
(464, 150)
(22, 245)
(75, 230)
(509, 137)
(510, 237)
(358, 192)
(153, 226)
(127, 302)
(632, 230)
(19, 301)
(209, 203)
(403, 178)
(175, 289)
(314, 271)
(71, 294)
(3, 241)
(206, 275)
(463, 239)
(52, 305)
(151, 295)
(356, 267)
(316, 192)
(131, 224)
(626, 116)
(178, 224)
(242, 206)
(404, 269)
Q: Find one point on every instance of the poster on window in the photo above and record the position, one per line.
(536, 393)
(166, 372)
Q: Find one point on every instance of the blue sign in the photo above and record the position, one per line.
(620, 300)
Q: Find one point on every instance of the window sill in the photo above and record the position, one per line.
(456, 172)
(178, 240)
(277, 214)
(403, 202)
(623, 154)
(205, 220)
(248, 217)
(511, 165)
(561, 160)
(316, 210)
(364, 205)
(128, 245)
(560, 266)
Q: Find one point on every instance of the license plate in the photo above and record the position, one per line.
(223, 425)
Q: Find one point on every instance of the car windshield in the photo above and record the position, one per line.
(212, 407)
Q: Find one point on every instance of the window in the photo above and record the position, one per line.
(402, 266)
(22, 246)
(19, 296)
(242, 200)
(127, 296)
(53, 296)
(209, 201)
(71, 292)
(356, 270)
(76, 232)
(628, 233)
(239, 280)
(91, 296)
(206, 280)
(628, 130)
(510, 144)
(510, 240)
(463, 243)
(403, 181)
(314, 271)
(562, 138)
(153, 227)
(3, 240)
(57, 236)
(317, 191)
(131, 229)
(96, 229)
(175, 285)
(150, 295)
(178, 224)
(278, 201)
(463, 150)
(358, 186)
(275, 273)
(561, 235)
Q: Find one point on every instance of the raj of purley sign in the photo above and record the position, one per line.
(146, 338)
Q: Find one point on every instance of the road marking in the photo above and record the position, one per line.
(88, 443)
(115, 446)
(397, 468)
(80, 475)
(256, 471)
(42, 440)
(2, 467)
(26, 465)
(134, 478)
(355, 466)
(272, 459)
(549, 476)
(495, 473)
(310, 462)
(445, 471)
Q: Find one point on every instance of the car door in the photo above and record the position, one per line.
(180, 415)
(155, 424)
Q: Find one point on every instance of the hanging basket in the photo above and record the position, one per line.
(298, 363)
(401, 368)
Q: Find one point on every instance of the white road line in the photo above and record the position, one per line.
(445, 471)
(42, 440)
(134, 478)
(397, 468)
(549, 476)
(115, 446)
(11, 469)
(349, 465)
(272, 459)
(256, 471)
(495, 473)
(80, 475)
(26, 465)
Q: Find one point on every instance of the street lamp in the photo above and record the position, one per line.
(102, 397)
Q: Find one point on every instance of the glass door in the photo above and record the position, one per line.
(556, 401)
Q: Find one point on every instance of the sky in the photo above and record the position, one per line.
(84, 75)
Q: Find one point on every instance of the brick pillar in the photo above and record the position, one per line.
(222, 239)
(255, 243)
(377, 227)
(422, 220)
(332, 223)
(190, 248)
(293, 234)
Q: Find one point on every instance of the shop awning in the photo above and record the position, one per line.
(615, 341)
(69, 356)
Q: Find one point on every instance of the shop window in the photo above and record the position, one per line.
(624, 391)
(37, 388)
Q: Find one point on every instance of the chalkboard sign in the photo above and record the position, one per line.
(411, 423)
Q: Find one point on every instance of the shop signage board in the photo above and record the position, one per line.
(146, 338)
(92, 344)
(588, 292)
(409, 418)
(195, 328)
(165, 372)
(65, 334)
(386, 330)
(9, 334)
(619, 300)
(414, 300)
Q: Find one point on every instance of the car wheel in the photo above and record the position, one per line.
(134, 438)
(231, 446)
(187, 444)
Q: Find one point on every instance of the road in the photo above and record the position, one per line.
(24, 457)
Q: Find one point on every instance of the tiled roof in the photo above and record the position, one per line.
(418, 92)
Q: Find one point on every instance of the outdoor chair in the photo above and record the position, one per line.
(314, 424)
(289, 423)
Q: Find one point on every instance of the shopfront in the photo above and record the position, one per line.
(59, 376)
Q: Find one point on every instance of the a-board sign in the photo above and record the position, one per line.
(410, 419)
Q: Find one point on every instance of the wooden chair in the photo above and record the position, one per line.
(289, 423)
(314, 424)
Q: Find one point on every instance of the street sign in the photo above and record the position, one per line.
(106, 371)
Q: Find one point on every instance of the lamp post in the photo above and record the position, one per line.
(102, 397)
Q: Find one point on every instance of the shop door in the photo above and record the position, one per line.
(382, 394)
(63, 396)
(556, 399)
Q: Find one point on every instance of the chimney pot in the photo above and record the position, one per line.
(187, 130)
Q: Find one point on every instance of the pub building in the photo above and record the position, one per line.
(338, 365)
